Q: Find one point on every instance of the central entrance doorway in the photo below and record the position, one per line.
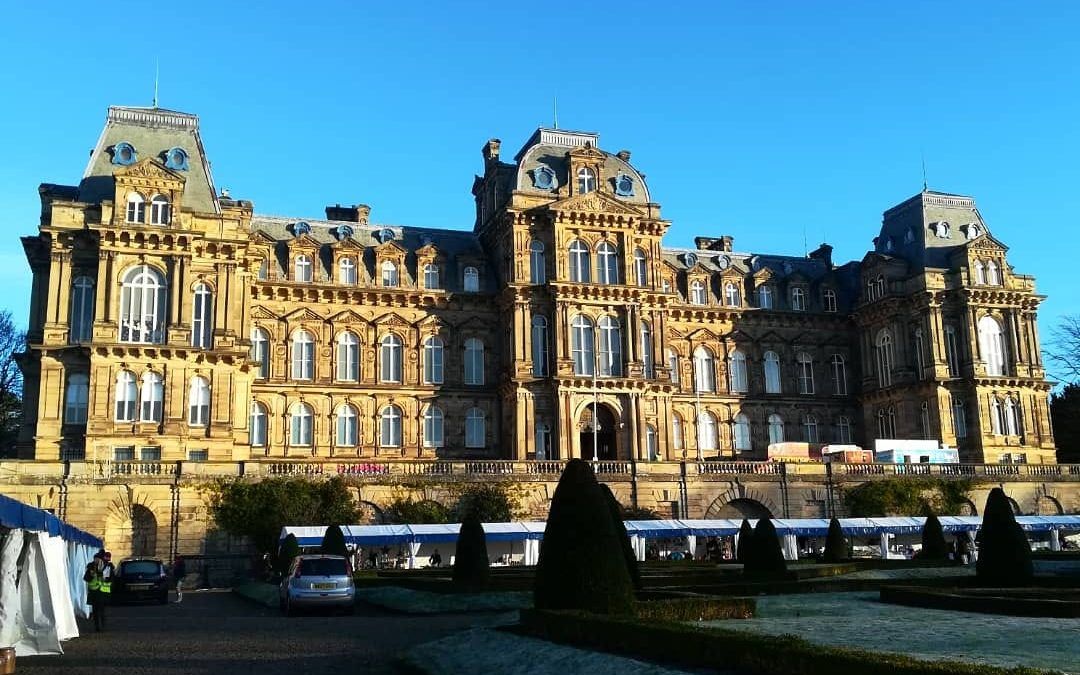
(598, 422)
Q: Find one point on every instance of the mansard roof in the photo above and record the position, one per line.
(928, 228)
(550, 149)
(449, 242)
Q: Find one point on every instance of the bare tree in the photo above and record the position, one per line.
(12, 341)
(1064, 348)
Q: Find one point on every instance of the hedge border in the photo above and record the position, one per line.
(956, 600)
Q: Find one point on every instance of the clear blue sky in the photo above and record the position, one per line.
(759, 120)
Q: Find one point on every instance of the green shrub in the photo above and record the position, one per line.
(695, 609)
(907, 496)
(639, 513)
(765, 557)
(471, 569)
(423, 512)
(1004, 551)
(624, 537)
(745, 543)
(581, 561)
(934, 546)
(290, 548)
(836, 548)
(491, 502)
(333, 542)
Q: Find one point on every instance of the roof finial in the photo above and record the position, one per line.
(555, 110)
(157, 73)
(923, 155)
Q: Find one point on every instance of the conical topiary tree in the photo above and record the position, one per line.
(581, 561)
(290, 548)
(835, 545)
(934, 546)
(624, 536)
(765, 558)
(471, 569)
(1004, 551)
(745, 543)
(333, 542)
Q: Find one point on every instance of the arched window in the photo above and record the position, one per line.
(302, 269)
(704, 371)
(676, 432)
(607, 263)
(739, 382)
(82, 310)
(697, 293)
(772, 373)
(136, 208)
(259, 420)
(610, 347)
(431, 276)
(742, 432)
(838, 369)
(348, 357)
(260, 352)
(346, 426)
(347, 271)
(76, 398)
(886, 422)
(884, 358)
(303, 355)
(142, 306)
(433, 360)
(539, 346)
(264, 270)
(389, 274)
(301, 421)
(673, 365)
(202, 318)
(650, 442)
(810, 429)
(843, 430)
(390, 427)
(126, 395)
(997, 416)
(641, 268)
(959, 418)
(474, 428)
(880, 286)
(537, 265)
(706, 431)
(390, 358)
(151, 398)
(917, 353)
(471, 280)
(776, 429)
(1013, 425)
(731, 295)
(586, 180)
(580, 271)
(765, 297)
(159, 210)
(434, 433)
(980, 274)
(871, 291)
(199, 402)
(952, 351)
(804, 364)
(993, 274)
(647, 349)
(474, 361)
(543, 441)
(828, 300)
(798, 299)
(924, 419)
(582, 343)
(992, 345)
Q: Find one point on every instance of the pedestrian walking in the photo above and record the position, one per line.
(98, 578)
(179, 571)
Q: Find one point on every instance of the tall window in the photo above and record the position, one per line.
(260, 352)
(390, 359)
(706, 431)
(677, 432)
(839, 375)
(348, 357)
(697, 293)
(142, 306)
(886, 422)
(804, 365)
(346, 426)
(884, 359)
(765, 297)
(959, 418)
(433, 360)
(543, 441)
(199, 402)
(828, 300)
(641, 268)
(471, 280)
(650, 442)
(474, 361)
(586, 180)
(301, 421)
(202, 318)
(772, 373)
(1013, 426)
(741, 431)
(159, 210)
(474, 428)
(151, 398)
(704, 372)
(264, 269)
(303, 355)
(82, 309)
(539, 346)
(810, 429)
(992, 344)
(997, 421)
(431, 276)
(673, 365)
(390, 427)
(739, 382)
(843, 430)
(347, 271)
(952, 351)
(924, 419)
(537, 265)
(980, 274)
(580, 271)
(798, 299)
(76, 398)
(582, 342)
(918, 348)
(610, 347)
(607, 263)
(259, 419)
(126, 395)
(136, 208)
(993, 275)
(647, 349)
(302, 268)
(731, 295)
(776, 428)
(434, 434)
(389, 274)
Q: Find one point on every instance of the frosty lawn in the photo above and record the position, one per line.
(424, 602)
(860, 620)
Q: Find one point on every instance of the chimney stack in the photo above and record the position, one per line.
(491, 150)
(624, 155)
(725, 243)
(358, 213)
(824, 254)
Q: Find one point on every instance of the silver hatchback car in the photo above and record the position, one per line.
(317, 581)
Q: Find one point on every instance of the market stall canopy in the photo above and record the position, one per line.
(18, 516)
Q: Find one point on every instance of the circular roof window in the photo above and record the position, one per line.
(300, 228)
(124, 154)
(543, 178)
(176, 159)
(624, 185)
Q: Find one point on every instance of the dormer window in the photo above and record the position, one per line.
(344, 232)
(389, 274)
(471, 280)
(697, 293)
(941, 229)
(828, 299)
(889, 244)
(909, 236)
(624, 185)
(385, 235)
(732, 297)
(798, 299)
(303, 268)
(124, 154)
(176, 159)
(543, 178)
(973, 231)
(765, 299)
(347, 271)
(301, 228)
(586, 180)
(431, 276)
(136, 208)
(159, 210)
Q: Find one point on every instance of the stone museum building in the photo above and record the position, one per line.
(171, 321)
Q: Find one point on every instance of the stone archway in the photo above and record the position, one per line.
(741, 502)
(131, 527)
(1046, 505)
(598, 423)
(737, 509)
(144, 530)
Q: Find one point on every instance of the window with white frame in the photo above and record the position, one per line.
(260, 418)
(1012, 418)
(886, 419)
(390, 427)
(997, 416)
(125, 453)
(838, 369)
(202, 318)
(804, 365)
(844, 433)
(264, 270)
(471, 280)
(434, 433)
(543, 441)
(474, 428)
(260, 352)
(303, 355)
(741, 432)
(199, 402)
(810, 429)
(151, 398)
(474, 361)
(389, 274)
(992, 345)
(706, 431)
(673, 365)
(676, 432)
(348, 357)
(82, 310)
(302, 269)
(641, 268)
(828, 300)
(202, 455)
(582, 343)
(586, 180)
(704, 370)
(301, 424)
(924, 419)
(136, 208)
(159, 210)
(959, 417)
(739, 381)
(697, 293)
(979, 273)
(126, 396)
(346, 426)
(431, 276)
(347, 271)
(917, 348)
(776, 428)
(765, 297)
(142, 306)
(539, 346)
(993, 274)
(537, 264)
(647, 350)
(952, 351)
(433, 360)
(607, 263)
(884, 358)
(610, 347)
(732, 297)
(150, 453)
(390, 358)
(76, 398)
(798, 299)
(771, 361)
(580, 270)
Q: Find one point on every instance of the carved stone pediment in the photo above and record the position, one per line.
(594, 202)
(149, 169)
(302, 314)
(259, 312)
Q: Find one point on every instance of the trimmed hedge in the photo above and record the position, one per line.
(934, 546)
(471, 565)
(765, 557)
(1004, 551)
(290, 548)
(695, 609)
(957, 600)
(620, 529)
(333, 542)
(836, 548)
(745, 543)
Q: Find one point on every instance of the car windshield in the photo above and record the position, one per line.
(140, 567)
(323, 567)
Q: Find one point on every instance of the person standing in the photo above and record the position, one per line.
(179, 571)
(98, 578)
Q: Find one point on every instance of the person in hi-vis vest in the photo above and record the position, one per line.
(98, 578)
